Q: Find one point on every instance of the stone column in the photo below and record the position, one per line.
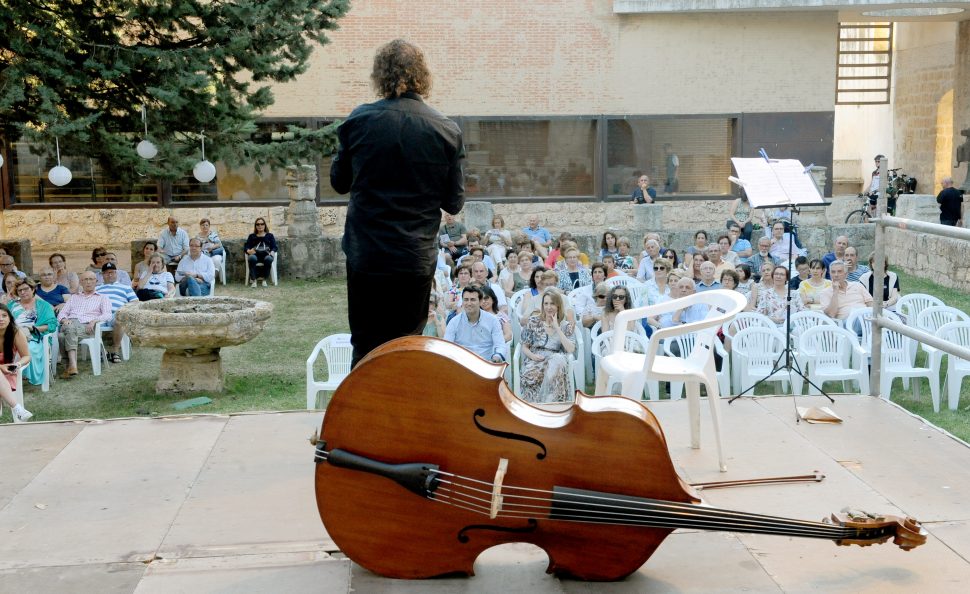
(646, 218)
(961, 102)
(305, 253)
(478, 215)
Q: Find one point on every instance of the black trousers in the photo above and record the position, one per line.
(382, 306)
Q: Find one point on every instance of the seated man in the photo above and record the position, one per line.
(837, 253)
(708, 280)
(695, 313)
(118, 294)
(453, 237)
(644, 193)
(540, 236)
(853, 270)
(480, 276)
(173, 242)
(843, 296)
(196, 272)
(77, 319)
(477, 330)
(8, 265)
(760, 257)
(122, 275)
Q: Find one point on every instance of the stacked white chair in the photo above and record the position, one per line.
(758, 350)
(930, 320)
(51, 347)
(957, 333)
(800, 322)
(896, 350)
(745, 319)
(633, 370)
(833, 354)
(338, 352)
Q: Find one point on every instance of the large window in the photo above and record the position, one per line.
(521, 158)
(695, 152)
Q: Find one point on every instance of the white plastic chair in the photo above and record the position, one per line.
(18, 394)
(634, 343)
(339, 353)
(930, 320)
(633, 370)
(758, 350)
(912, 304)
(622, 280)
(96, 349)
(272, 268)
(745, 319)
(517, 374)
(515, 313)
(800, 322)
(957, 333)
(685, 344)
(222, 269)
(50, 360)
(833, 354)
(896, 363)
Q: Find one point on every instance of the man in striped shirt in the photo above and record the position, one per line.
(78, 317)
(119, 294)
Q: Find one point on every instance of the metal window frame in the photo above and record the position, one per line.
(887, 90)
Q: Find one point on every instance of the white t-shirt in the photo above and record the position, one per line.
(157, 281)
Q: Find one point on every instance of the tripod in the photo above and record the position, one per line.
(790, 363)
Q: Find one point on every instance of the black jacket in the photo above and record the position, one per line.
(401, 161)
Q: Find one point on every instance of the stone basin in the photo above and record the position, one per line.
(192, 331)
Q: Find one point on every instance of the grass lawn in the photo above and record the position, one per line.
(269, 373)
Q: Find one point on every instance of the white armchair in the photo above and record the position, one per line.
(633, 370)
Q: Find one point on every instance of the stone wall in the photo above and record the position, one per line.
(961, 97)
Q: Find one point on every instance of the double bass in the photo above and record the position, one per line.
(426, 458)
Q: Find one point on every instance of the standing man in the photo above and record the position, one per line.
(401, 161)
(950, 200)
(173, 242)
(872, 190)
(643, 194)
(672, 185)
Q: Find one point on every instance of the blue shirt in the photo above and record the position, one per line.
(55, 296)
(541, 234)
(484, 337)
(739, 246)
(701, 287)
(637, 195)
(119, 295)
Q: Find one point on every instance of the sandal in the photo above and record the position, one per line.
(114, 357)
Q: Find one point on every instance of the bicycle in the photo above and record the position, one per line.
(861, 215)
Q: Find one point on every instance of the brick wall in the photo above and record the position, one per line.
(505, 57)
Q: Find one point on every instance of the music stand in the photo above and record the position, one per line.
(765, 181)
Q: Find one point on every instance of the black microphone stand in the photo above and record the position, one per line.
(790, 362)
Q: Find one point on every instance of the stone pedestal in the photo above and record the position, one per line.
(304, 250)
(478, 215)
(191, 370)
(646, 218)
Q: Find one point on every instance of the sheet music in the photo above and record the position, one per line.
(780, 181)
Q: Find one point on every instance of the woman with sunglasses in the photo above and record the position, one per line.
(658, 286)
(593, 312)
(617, 301)
(98, 256)
(61, 275)
(585, 299)
(35, 318)
(260, 249)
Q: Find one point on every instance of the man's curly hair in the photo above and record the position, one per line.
(399, 67)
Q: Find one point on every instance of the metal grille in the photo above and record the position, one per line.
(865, 64)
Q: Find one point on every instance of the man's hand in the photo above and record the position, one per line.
(90, 326)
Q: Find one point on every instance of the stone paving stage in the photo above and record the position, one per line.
(226, 504)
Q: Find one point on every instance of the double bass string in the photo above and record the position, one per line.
(609, 510)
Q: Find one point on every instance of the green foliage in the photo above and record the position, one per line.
(81, 71)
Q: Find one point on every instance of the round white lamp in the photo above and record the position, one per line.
(1, 160)
(60, 175)
(204, 171)
(146, 150)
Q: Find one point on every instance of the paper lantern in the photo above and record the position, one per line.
(60, 175)
(204, 171)
(146, 150)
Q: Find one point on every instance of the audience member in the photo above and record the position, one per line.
(211, 244)
(584, 298)
(435, 326)
(730, 280)
(610, 263)
(843, 296)
(592, 311)
(714, 256)
(772, 300)
(651, 253)
(572, 274)
(671, 255)
(35, 318)
(453, 237)
(490, 304)
(760, 257)
(498, 239)
(779, 249)
(8, 265)
(618, 300)
(462, 278)
(658, 286)
(625, 262)
(558, 247)
(540, 236)
(506, 277)
(10, 280)
(694, 313)
(119, 294)
(547, 342)
(143, 267)
(15, 354)
(477, 330)
(644, 193)
(811, 288)
(260, 250)
(740, 245)
(61, 274)
(173, 242)
(112, 258)
(708, 278)
(608, 245)
(853, 269)
(98, 256)
(837, 253)
(890, 283)
(480, 276)
(195, 274)
(156, 282)
(727, 255)
(54, 294)
(78, 318)
(801, 272)
(700, 243)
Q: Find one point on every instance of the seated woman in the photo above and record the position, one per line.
(608, 246)
(625, 261)
(810, 289)
(506, 277)
(61, 275)
(617, 301)
(890, 283)
(147, 251)
(14, 355)
(730, 280)
(462, 277)
(211, 244)
(51, 292)
(771, 301)
(10, 281)
(98, 257)
(498, 240)
(747, 286)
(530, 303)
(36, 319)
(592, 312)
(547, 341)
(156, 282)
(659, 285)
(435, 326)
(584, 299)
(490, 304)
(572, 274)
(558, 249)
(260, 249)
(700, 243)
